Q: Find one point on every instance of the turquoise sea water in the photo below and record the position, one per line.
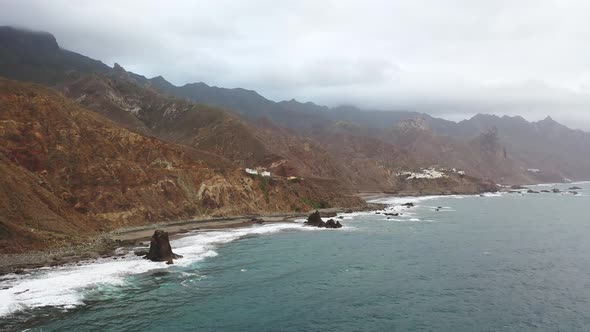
(499, 263)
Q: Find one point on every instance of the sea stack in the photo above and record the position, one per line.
(315, 219)
(333, 224)
(160, 249)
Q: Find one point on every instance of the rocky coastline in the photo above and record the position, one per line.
(117, 243)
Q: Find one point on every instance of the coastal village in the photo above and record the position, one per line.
(261, 171)
(430, 173)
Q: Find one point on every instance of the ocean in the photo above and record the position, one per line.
(503, 262)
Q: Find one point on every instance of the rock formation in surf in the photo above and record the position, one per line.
(160, 249)
(315, 219)
(333, 224)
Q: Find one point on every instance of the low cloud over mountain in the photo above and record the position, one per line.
(447, 58)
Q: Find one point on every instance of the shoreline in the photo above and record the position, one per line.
(106, 244)
(207, 253)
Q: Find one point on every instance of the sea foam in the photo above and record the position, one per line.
(397, 200)
(65, 286)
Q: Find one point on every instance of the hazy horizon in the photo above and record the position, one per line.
(450, 59)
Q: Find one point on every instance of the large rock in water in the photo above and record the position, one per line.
(315, 219)
(160, 249)
(333, 224)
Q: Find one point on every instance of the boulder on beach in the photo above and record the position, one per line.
(545, 191)
(410, 204)
(160, 249)
(575, 188)
(531, 191)
(555, 190)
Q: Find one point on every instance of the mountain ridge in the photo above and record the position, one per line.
(164, 85)
(309, 119)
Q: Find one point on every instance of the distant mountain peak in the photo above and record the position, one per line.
(482, 116)
(292, 101)
(118, 68)
(197, 84)
(517, 118)
(27, 39)
(548, 122)
(159, 82)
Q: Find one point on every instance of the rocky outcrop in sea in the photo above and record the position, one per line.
(160, 249)
(315, 219)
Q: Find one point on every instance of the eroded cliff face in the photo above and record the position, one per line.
(69, 172)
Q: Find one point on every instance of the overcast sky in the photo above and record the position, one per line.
(447, 58)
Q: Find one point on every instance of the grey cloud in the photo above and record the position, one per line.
(450, 58)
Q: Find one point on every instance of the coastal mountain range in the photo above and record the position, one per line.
(88, 148)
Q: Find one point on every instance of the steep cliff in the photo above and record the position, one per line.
(70, 172)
